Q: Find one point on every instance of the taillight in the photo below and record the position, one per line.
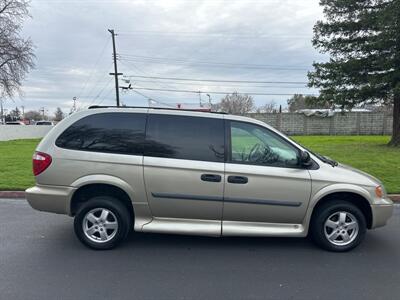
(41, 161)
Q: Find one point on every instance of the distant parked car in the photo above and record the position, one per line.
(15, 123)
(51, 123)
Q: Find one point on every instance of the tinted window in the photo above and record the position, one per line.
(257, 145)
(107, 132)
(184, 137)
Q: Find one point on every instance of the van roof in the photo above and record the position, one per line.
(160, 108)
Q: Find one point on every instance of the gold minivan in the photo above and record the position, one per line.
(187, 172)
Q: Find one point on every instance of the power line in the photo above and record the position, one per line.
(223, 85)
(216, 92)
(164, 60)
(152, 99)
(101, 91)
(157, 83)
(217, 80)
(105, 96)
(169, 88)
(94, 68)
(212, 64)
(145, 74)
(213, 34)
(100, 78)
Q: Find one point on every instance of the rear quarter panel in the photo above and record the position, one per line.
(75, 168)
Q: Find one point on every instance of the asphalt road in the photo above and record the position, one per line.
(40, 258)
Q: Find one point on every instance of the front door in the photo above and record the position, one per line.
(263, 180)
(184, 171)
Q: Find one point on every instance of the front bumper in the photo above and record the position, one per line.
(381, 213)
(55, 199)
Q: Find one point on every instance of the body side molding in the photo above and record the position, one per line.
(227, 199)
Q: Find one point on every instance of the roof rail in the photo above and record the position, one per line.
(160, 108)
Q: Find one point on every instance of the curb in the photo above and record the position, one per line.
(395, 198)
(12, 194)
(21, 194)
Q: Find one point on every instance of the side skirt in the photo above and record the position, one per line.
(229, 228)
(258, 229)
(184, 226)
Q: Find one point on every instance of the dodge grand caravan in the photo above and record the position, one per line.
(186, 172)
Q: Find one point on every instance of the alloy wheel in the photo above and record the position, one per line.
(341, 228)
(100, 225)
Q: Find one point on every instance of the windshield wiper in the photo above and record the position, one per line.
(331, 162)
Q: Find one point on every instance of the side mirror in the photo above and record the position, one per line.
(305, 159)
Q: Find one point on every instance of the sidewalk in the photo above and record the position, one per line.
(21, 194)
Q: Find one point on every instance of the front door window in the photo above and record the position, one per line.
(252, 144)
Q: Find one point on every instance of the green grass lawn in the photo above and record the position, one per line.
(16, 164)
(367, 153)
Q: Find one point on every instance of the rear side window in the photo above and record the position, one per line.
(185, 137)
(106, 132)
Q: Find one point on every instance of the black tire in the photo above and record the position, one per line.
(332, 210)
(118, 212)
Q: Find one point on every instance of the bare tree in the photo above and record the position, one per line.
(16, 53)
(269, 107)
(236, 104)
(33, 115)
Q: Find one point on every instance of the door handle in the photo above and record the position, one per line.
(211, 177)
(238, 179)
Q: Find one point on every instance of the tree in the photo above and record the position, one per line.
(58, 114)
(15, 114)
(269, 107)
(236, 104)
(16, 53)
(363, 40)
(298, 101)
(33, 115)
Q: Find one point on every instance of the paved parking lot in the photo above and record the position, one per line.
(40, 258)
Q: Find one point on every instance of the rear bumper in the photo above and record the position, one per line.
(381, 213)
(55, 199)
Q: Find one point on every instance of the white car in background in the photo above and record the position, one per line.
(15, 123)
(49, 123)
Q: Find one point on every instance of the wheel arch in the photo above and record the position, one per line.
(86, 189)
(357, 199)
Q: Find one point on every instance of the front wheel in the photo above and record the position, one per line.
(338, 226)
(102, 223)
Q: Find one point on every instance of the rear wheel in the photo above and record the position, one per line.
(338, 226)
(102, 223)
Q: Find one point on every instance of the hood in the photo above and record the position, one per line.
(372, 179)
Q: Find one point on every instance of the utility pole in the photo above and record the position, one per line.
(42, 110)
(209, 99)
(23, 112)
(201, 105)
(1, 112)
(116, 74)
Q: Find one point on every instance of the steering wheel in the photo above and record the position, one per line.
(255, 153)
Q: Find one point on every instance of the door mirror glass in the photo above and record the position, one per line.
(305, 158)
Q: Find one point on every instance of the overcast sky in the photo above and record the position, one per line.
(265, 40)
